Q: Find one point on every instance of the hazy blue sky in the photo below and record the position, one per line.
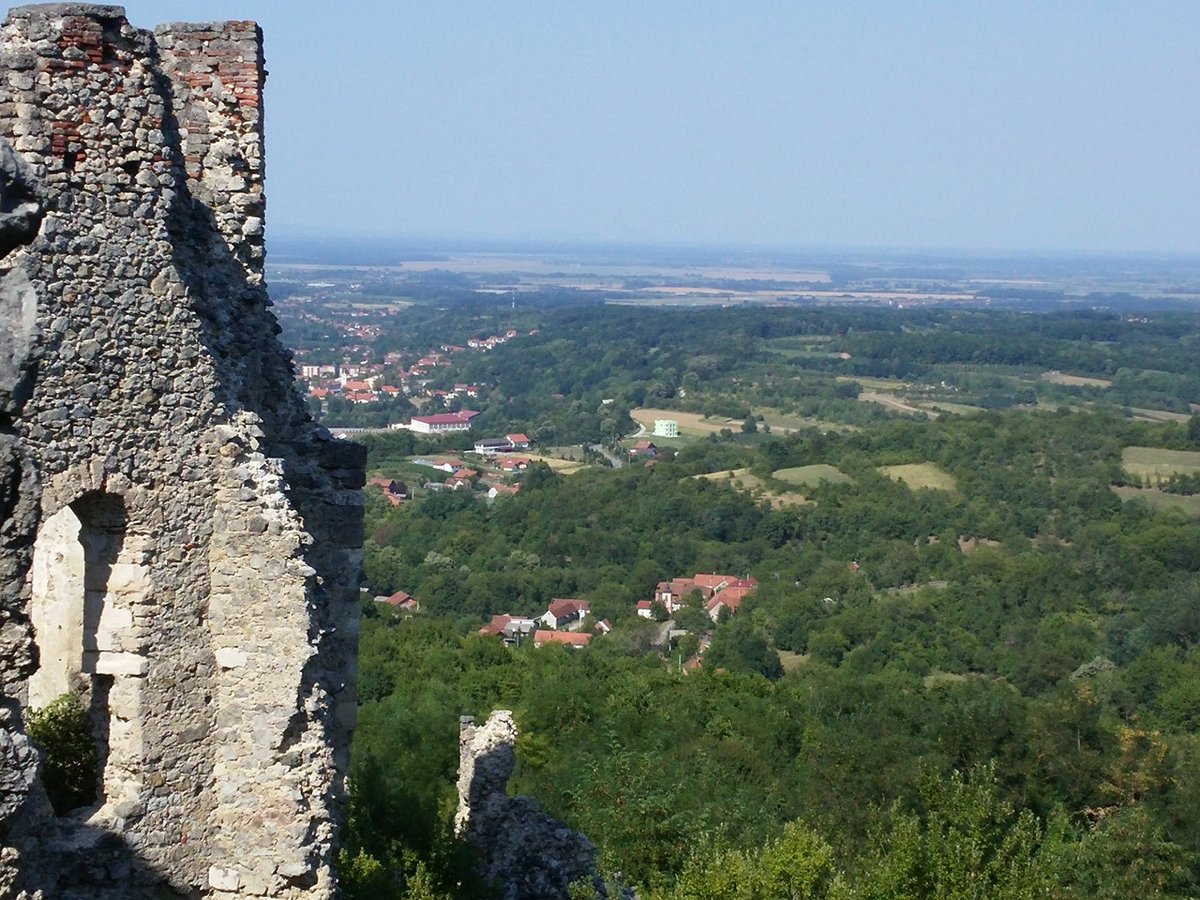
(986, 125)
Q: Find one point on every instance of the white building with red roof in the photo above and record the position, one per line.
(443, 422)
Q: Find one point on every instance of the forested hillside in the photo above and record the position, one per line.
(1027, 629)
(969, 668)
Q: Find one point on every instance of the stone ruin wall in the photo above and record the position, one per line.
(195, 572)
(520, 851)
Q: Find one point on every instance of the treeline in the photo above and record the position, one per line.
(587, 364)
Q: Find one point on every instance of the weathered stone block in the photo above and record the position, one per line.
(120, 664)
(223, 879)
(230, 658)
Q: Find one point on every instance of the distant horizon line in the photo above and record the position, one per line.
(297, 239)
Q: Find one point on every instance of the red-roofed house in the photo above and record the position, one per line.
(574, 640)
(731, 599)
(563, 612)
(645, 609)
(518, 440)
(395, 491)
(718, 591)
(714, 581)
(673, 594)
(644, 449)
(401, 600)
(462, 478)
(510, 629)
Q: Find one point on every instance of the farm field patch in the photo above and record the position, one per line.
(1152, 462)
(784, 422)
(961, 409)
(895, 404)
(689, 423)
(877, 384)
(558, 464)
(921, 475)
(743, 480)
(1158, 415)
(1161, 500)
(811, 476)
(1075, 380)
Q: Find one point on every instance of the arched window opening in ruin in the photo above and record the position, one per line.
(85, 588)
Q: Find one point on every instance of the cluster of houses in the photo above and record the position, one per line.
(491, 343)
(560, 624)
(363, 382)
(463, 476)
(354, 383)
(718, 592)
(565, 618)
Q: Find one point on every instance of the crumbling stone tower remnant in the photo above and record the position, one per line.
(181, 544)
(523, 853)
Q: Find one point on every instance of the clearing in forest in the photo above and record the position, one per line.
(1075, 380)
(896, 404)
(743, 480)
(784, 423)
(811, 476)
(792, 661)
(1161, 500)
(694, 425)
(562, 466)
(690, 423)
(921, 475)
(1143, 462)
(876, 384)
(961, 409)
(1157, 415)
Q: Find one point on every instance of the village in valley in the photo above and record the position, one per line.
(437, 407)
(570, 622)
(475, 387)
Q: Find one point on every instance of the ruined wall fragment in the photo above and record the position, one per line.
(220, 529)
(523, 853)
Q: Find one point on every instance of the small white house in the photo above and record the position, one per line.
(666, 428)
